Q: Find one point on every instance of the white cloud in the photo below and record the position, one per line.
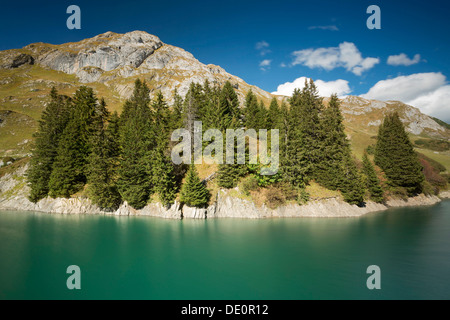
(427, 91)
(402, 60)
(262, 47)
(325, 88)
(330, 28)
(265, 64)
(346, 55)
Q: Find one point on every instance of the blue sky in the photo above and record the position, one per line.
(323, 40)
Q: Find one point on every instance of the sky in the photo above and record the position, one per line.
(275, 45)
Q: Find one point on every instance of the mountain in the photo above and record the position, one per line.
(111, 62)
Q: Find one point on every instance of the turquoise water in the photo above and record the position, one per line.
(150, 258)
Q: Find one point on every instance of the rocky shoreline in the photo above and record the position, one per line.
(13, 193)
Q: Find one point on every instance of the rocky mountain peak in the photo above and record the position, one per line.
(112, 58)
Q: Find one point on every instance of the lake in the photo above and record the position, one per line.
(292, 258)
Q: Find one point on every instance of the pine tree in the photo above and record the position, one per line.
(193, 192)
(395, 155)
(53, 121)
(136, 141)
(101, 172)
(69, 169)
(372, 181)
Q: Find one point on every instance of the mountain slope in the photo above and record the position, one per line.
(111, 62)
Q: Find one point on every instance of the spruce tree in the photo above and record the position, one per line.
(193, 192)
(53, 121)
(274, 115)
(352, 187)
(101, 172)
(136, 141)
(372, 181)
(229, 174)
(253, 115)
(303, 136)
(177, 111)
(334, 146)
(160, 166)
(191, 109)
(69, 169)
(395, 155)
(229, 113)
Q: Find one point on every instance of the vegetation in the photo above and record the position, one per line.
(80, 145)
(395, 155)
(194, 193)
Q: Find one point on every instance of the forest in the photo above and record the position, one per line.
(82, 148)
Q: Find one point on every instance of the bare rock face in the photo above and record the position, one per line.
(111, 58)
(14, 60)
(105, 52)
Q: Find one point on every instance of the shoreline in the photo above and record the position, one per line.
(14, 191)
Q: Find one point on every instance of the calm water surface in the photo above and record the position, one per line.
(151, 258)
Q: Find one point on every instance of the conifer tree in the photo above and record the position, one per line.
(136, 141)
(160, 166)
(210, 117)
(229, 174)
(161, 117)
(53, 121)
(262, 116)
(229, 112)
(334, 146)
(283, 122)
(251, 111)
(177, 111)
(395, 155)
(193, 192)
(191, 109)
(372, 181)
(303, 136)
(101, 172)
(274, 115)
(69, 169)
(351, 186)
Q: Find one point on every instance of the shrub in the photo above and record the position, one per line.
(273, 197)
(303, 197)
(248, 184)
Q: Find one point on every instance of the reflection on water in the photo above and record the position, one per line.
(150, 258)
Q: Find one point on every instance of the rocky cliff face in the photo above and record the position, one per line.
(110, 58)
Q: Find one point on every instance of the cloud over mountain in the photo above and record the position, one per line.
(346, 55)
(325, 88)
(427, 91)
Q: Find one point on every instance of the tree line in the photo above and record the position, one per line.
(81, 147)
